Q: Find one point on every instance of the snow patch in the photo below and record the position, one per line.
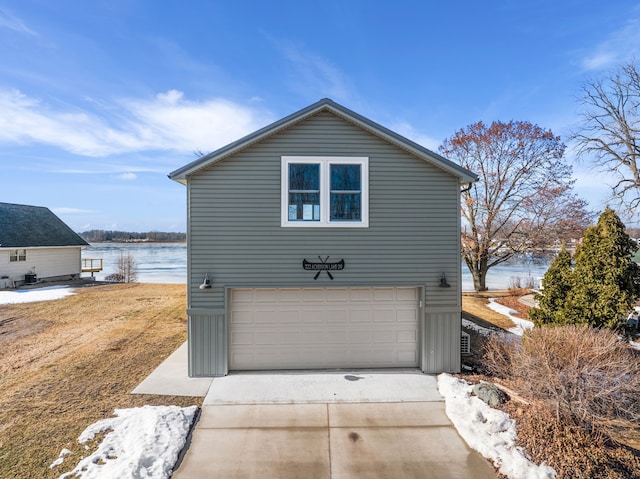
(64, 453)
(139, 443)
(32, 295)
(521, 325)
(477, 328)
(489, 431)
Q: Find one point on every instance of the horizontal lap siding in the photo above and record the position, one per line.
(48, 262)
(234, 215)
(235, 235)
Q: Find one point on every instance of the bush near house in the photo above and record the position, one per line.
(587, 376)
(581, 384)
(611, 452)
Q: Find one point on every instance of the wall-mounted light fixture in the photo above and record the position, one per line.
(206, 283)
(443, 282)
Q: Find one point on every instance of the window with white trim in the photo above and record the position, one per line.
(17, 255)
(325, 191)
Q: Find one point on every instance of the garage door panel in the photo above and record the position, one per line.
(384, 294)
(241, 339)
(406, 315)
(407, 356)
(307, 328)
(357, 337)
(337, 337)
(336, 317)
(334, 295)
(406, 294)
(287, 295)
(407, 337)
(313, 295)
(240, 318)
(242, 296)
(360, 315)
(359, 294)
(384, 315)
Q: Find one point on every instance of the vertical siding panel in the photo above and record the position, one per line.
(207, 343)
(442, 341)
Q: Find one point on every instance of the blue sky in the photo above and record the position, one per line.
(100, 100)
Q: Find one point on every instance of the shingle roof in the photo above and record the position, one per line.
(23, 226)
(466, 176)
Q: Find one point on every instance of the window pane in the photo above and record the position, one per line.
(304, 177)
(304, 207)
(345, 177)
(346, 207)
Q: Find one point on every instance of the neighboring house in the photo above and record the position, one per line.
(323, 241)
(35, 244)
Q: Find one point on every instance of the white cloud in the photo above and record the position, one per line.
(7, 20)
(407, 130)
(620, 46)
(314, 76)
(26, 120)
(599, 60)
(128, 176)
(167, 121)
(170, 122)
(69, 211)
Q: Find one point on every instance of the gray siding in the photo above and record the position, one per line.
(441, 341)
(207, 343)
(235, 234)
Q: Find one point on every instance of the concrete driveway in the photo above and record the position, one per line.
(334, 425)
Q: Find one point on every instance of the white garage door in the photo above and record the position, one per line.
(313, 328)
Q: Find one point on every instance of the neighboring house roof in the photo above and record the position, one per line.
(23, 226)
(326, 104)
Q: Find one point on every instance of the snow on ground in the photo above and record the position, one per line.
(489, 431)
(521, 325)
(139, 443)
(38, 294)
(477, 328)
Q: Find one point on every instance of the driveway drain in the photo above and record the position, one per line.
(350, 377)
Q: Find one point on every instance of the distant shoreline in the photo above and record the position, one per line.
(137, 242)
(117, 236)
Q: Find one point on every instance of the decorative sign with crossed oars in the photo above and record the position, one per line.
(323, 265)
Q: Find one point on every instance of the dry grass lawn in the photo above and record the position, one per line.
(67, 363)
(474, 308)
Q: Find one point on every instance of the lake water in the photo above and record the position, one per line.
(167, 263)
(154, 262)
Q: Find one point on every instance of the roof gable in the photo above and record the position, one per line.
(23, 226)
(326, 104)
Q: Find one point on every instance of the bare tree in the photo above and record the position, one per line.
(126, 270)
(609, 130)
(523, 200)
